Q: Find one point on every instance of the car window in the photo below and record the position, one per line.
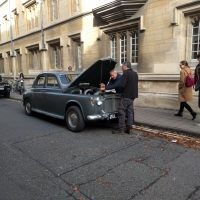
(52, 81)
(40, 81)
(67, 78)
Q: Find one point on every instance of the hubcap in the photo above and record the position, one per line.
(28, 107)
(73, 119)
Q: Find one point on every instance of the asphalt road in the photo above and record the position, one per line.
(41, 159)
(15, 123)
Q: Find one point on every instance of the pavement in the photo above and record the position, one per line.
(159, 119)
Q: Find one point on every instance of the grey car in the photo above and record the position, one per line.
(5, 89)
(75, 99)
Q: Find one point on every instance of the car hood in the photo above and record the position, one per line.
(95, 74)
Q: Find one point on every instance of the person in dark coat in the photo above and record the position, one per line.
(196, 76)
(114, 82)
(128, 89)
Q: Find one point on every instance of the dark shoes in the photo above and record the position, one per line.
(128, 130)
(179, 114)
(194, 114)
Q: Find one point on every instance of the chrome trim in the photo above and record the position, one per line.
(102, 116)
(48, 114)
(93, 117)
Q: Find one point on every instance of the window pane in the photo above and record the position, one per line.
(195, 39)
(134, 46)
(194, 55)
(194, 47)
(196, 24)
(52, 81)
(79, 56)
(40, 81)
(195, 31)
(113, 46)
(123, 52)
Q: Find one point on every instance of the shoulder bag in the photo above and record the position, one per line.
(189, 79)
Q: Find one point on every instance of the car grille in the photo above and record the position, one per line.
(111, 104)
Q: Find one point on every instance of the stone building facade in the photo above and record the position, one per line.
(155, 35)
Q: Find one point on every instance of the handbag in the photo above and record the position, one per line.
(189, 79)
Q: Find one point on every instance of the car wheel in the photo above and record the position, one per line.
(74, 119)
(7, 95)
(28, 107)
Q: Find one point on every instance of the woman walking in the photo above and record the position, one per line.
(21, 87)
(184, 93)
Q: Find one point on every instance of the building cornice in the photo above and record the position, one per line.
(118, 10)
(191, 9)
(120, 26)
(186, 5)
(50, 26)
(28, 3)
(2, 2)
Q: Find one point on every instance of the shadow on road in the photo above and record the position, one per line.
(88, 126)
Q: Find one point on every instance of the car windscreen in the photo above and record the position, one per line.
(67, 78)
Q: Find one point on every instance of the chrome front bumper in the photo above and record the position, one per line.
(101, 116)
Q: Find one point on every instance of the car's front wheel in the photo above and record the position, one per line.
(7, 95)
(74, 119)
(28, 107)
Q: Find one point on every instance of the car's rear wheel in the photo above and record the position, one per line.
(7, 95)
(28, 107)
(74, 119)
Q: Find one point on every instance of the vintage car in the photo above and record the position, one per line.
(5, 89)
(76, 99)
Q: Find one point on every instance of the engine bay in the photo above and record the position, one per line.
(86, 89)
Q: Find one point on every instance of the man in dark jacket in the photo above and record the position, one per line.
(113, 83)
(129, 91)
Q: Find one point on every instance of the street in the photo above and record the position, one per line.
(41, 159)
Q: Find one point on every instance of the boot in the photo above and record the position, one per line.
(128, 130)
(194, 114)
(179, 114)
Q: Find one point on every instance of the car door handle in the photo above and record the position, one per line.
(43, 90)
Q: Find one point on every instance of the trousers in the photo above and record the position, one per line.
(199, 99)
(185, 105)
(125, 109)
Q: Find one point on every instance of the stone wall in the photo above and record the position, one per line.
(164, 40)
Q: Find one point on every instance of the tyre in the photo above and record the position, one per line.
(28, 107)
(74, 119)
(7, 95)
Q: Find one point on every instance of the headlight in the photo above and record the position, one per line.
(99, 102)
